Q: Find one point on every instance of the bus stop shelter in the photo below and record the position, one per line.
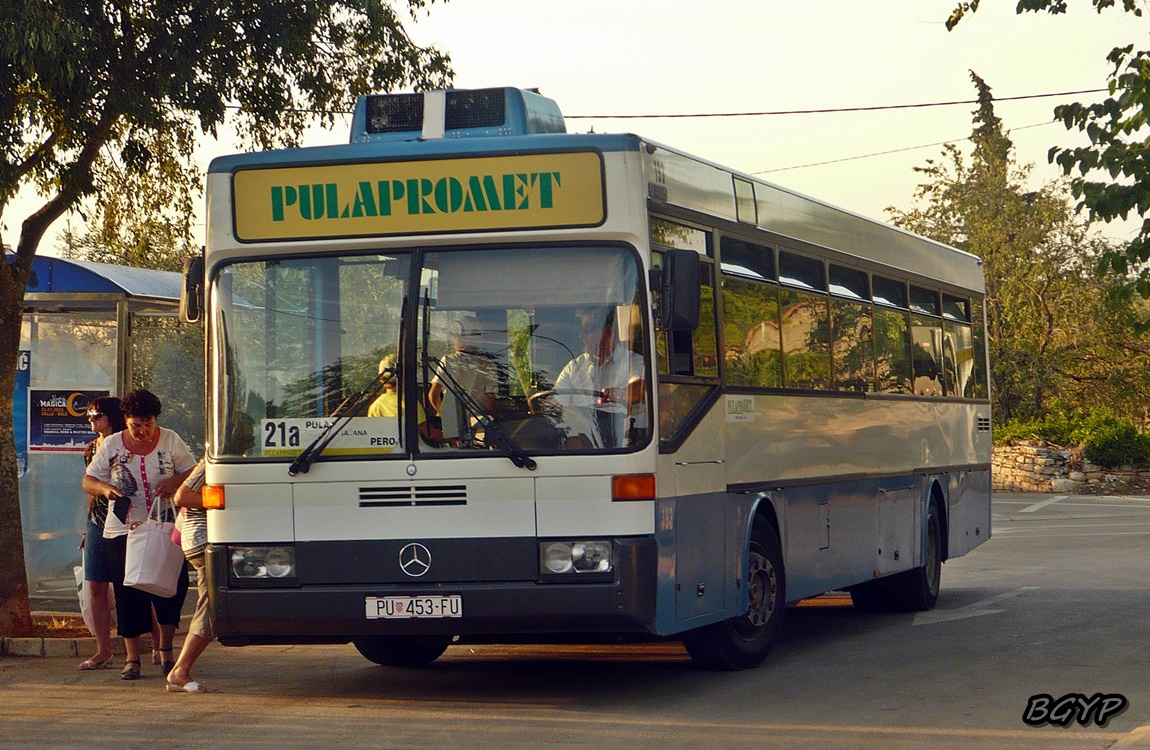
(88, 330)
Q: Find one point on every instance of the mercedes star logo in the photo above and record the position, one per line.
(414, 559)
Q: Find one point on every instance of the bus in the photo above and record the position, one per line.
(474, 379)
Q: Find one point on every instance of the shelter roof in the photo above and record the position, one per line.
(60, 276)
(58, 285)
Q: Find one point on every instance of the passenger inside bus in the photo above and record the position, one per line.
(386, 404)
(601, 391)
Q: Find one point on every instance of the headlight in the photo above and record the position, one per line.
(556, 558)
(263, 562)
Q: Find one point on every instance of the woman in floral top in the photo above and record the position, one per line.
(132, 469)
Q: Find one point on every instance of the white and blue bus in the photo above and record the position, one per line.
(472, 378)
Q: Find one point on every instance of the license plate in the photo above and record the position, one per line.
(409, 607)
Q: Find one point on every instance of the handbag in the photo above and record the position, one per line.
(152, 562)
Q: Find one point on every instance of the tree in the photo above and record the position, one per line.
(1055, 332)
(80, 81)
(143, 218)
(1116, 149)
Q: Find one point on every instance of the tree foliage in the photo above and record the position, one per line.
(96, 95)
(143, 218)
(1054, 7)
(1056, 336)
(1111, 176)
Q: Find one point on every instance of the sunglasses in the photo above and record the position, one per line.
(95, 415)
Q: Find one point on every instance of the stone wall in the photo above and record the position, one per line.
(1040, 467)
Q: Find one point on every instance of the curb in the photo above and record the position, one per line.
(51, 647)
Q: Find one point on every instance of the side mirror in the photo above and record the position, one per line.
(192, 291)
(680, 291)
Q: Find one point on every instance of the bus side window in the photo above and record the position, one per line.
(683, 353)
(804, 322)
(891, 335)
(694, 353)
(751, 332)
(926, 342)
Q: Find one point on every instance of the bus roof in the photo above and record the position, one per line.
(672, 177)
(694, 183)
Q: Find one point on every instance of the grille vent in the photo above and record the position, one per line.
(982, 423)
(397, 113)
(454, 113)
(412, 497)
(483, 108)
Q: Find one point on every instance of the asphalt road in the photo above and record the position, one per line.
(1054, 604)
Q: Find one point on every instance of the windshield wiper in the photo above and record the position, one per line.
(491, 428)
(345, 411)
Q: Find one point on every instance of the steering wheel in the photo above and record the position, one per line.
(533, 400)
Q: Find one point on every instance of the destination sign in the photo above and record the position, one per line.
(532, 191)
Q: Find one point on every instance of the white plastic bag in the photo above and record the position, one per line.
(85, 600)
(153, 562)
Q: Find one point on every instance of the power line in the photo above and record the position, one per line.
(830, 110)
(885, 153)
(827, 110)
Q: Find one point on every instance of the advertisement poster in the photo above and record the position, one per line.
(20, 410)
(58, 419)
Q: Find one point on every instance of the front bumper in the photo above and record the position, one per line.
(315, 612)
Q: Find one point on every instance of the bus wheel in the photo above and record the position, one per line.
(917, 590)
(743, 642)
(402, 650)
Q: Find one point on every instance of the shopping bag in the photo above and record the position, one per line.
(85, 599)
(152, 562)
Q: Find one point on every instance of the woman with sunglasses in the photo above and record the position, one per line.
(133, 469)
(105, 418)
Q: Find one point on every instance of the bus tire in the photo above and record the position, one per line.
(743, 642)
(402, 650)
(917, 590)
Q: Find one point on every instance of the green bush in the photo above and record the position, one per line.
(1112, 445)
(1106, 439)
(1057, 428)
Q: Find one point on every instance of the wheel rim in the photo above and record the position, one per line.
(763, 592)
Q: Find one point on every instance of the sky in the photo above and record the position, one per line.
(649, 57)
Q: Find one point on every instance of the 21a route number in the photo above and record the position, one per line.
(281, 435)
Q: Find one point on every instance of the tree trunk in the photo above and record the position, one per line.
(15, 609)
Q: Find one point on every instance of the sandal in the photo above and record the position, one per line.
(166, 665)
(191, 686)
(131, 672)
(155, 656)
(89, 664)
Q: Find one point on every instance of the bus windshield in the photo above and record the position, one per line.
(533, 349)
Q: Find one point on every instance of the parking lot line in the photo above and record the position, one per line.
(1043, 504)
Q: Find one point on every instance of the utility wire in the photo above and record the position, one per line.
(827, 110)
(885, 153)
(831, 110)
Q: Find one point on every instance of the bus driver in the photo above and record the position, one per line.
(602, 390)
